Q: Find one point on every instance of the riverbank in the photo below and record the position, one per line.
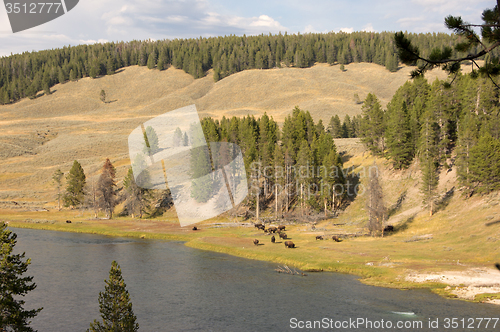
(397, 261)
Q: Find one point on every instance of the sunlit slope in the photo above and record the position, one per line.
(40, 135)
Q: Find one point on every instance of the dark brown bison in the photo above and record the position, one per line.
(68, 221)
(319, 237)
(256, 242)
(281, 227)
(195, 228)
(259, 225)
(336, 238)
(388, 228)
(272, 229)
(273, 239)
(283, 235)
(289, 244)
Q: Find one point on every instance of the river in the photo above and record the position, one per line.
(177, 288)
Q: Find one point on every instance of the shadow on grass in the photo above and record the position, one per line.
(402, 226)
(491, 223)
(345, 156)
(353, 180)
(445, 200)
(397, 206)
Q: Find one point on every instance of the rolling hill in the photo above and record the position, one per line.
(40, 135)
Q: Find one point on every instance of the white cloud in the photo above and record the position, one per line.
(248, 25)
(347, 30)
(310, 29)
(266, 21)
(368, 28)
(91, 41)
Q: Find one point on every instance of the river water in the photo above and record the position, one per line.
(176, 288)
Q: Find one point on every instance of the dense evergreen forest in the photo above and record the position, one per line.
(297, 166)
(24, 75)
(440, 125)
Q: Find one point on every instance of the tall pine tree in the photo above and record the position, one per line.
(75, 186)
(429, 156)
(398, 135)
(372, 124)
(13, 317)
(115, 305)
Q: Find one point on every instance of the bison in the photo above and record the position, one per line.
(289, 244)
(388, 228)
(68, 221)
(259, 225)
(256, 242)
(281, 227)
(195, 228)
(319, 237)
(336, 238)
(273, 239)
(283, 235)
(272, 229)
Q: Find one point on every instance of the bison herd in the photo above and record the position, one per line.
(280, 231)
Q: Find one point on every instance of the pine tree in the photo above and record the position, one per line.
(468, 135)
(331, 180)
(429, 159)
(76, 183)
(152, 60)
(110, 66)
(106, 189)
(115, 305)
(375, 204)
(94, 69)
(304, 165)
(57, 178)
(335, 127)
(46, 89)
(151, 144)
(485, 164)
(177, 140)
(398, 135)
(13, 317)
(103, 96)
(61, 76)
(203, 183)
(279, 179)
(372, 124)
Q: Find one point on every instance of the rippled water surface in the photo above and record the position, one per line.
(176, 288)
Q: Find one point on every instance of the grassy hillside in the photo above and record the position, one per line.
(40, 135)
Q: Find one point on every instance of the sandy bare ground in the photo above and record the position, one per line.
(467, 284)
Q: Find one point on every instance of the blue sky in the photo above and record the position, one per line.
(116, 20)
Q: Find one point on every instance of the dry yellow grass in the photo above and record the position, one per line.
(38, 136)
